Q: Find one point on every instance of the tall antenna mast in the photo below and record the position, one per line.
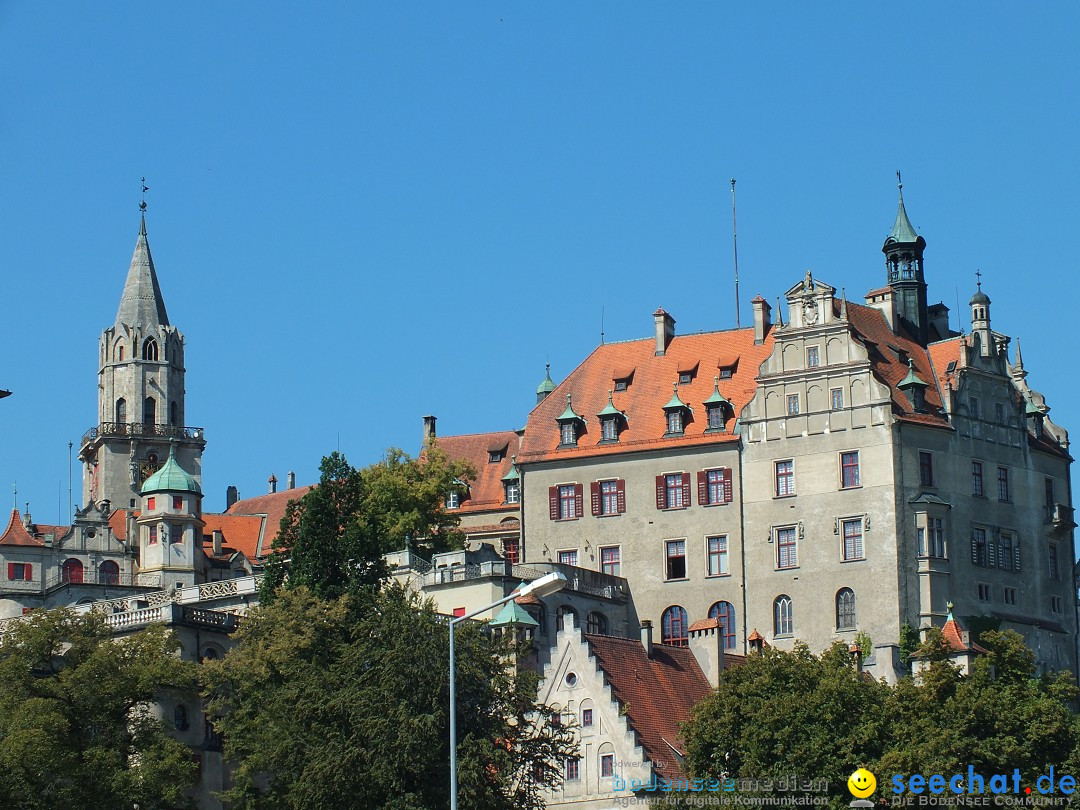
(735, 247)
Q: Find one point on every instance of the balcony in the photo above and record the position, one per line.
(138, 430)
(1061, 515)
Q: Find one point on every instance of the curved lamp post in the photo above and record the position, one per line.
(547, 584)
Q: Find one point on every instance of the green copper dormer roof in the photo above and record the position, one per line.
(902, 229)
(513, 474)
(513, 613)
(569, 415)
(171, 477)
(548, 385)
(675, 403)
(610, 409)
(1031, 409)
(716, 398)
(912, 379)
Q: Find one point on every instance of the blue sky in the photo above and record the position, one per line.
(365, 212)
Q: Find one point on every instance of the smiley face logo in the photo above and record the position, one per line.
(861, 783)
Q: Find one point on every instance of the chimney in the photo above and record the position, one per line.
(132, 530)
(291, 480)
(707, 645)
(762, 318)
(856, 657)
(231, 496)
(939, 319)
(218, 538)
(665, 331)
(429, 431)
(646, 637)
(272, 480)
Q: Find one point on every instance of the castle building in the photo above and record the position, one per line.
(836, 475)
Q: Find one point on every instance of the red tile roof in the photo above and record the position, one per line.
(118, 523)
(16, 534)
(486, 493)
(643, 401)
(272, 506)
(655, 693)
(942, 354)
(954, 637)
(239, 533)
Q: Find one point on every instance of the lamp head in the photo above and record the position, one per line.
(546, 585)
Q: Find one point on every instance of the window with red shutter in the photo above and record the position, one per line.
(28, 572)
(553, 503)
(661, 493)
(578, 496)
(11, 571)
(727, 486)
(686, 489)
(620, 495)
(594, 494)
(703, 487)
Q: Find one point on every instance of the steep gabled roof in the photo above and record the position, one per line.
(272, 507)
(644, 399)
(655, 693)
(16, 534)
(241, 533)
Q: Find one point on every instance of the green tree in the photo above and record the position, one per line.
(77, 722)
(333, 539)
(789, 713)
(344, 702)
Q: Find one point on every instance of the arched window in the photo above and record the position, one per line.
(673, 626)
(180, 718)
(724, 613)
(845, 609)
(565, 610)
(121, 411)
(150, 349)
(149, 416)
(109, 573)
(118, 351)
(174, 413)
(596, 623)
(72, 571)
(782, 616)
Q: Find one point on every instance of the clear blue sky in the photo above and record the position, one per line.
(364, 212)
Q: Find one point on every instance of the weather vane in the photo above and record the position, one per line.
(145, 188)
(899, 182)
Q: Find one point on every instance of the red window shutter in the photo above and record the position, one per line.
(661, 501)
(620, 500)
(579, 501)
(727, 485)
(594, 493)
(686, 489)
(702, 486)
(11, 570)
(553, 503)
(28, 572)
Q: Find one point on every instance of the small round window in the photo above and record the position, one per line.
(571, 679)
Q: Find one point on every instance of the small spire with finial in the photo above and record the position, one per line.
(843, 303)
(978, 278)
(899, 182)
(779, 313)
(949, 606)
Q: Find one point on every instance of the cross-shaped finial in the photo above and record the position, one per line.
(978, 279)
(145, 188)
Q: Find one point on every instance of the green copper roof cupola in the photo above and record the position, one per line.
(571, 425)
(611, 420)
(914, 387)
(171, 477)
(546, 386)
(903, 251)
(678, 413)
(718, 409)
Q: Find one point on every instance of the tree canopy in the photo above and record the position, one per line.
(348, 698)
(77, 722)
(335, 536)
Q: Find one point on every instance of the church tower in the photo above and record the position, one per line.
(140, 394)
(903, 251)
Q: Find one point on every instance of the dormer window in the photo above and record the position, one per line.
(611, 420)
(512, 483)
(674, 423)
(571, 425)
(717, 409)
(677, 414)
(914, 387)
(622, 378)
(725, 373)
(453, 500)
(621, 385)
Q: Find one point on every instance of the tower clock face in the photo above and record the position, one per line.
(810, 313)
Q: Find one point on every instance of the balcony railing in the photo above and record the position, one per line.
(89, 576)
(138, 430)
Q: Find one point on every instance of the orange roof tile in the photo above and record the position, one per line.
(486, 493)
(656, 693)
(942, 354)
(955, 639)
(643, 401)
(118, 522)
(703, 624)
(272, 506)
(16, 534)
(239, 532)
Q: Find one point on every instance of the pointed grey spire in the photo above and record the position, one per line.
(902, 229)
(141, 302)
(843, 303)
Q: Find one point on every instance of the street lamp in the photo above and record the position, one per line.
(546, 585)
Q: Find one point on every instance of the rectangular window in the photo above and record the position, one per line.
(178, 502)
(568, 435)
(674, 423)
(926, 469)
(978, 547)
(151, 504)
(1003, 483)
(785, 478)
(609, 560)
(511, 550)
(718, 561)
(568, 502)
(849, 469)
(936, 527)
(609, 430)
(586, 718)
(999, 413)
(838, 399)
(974, 407)
(453, 500)
(674, 497)
(1048, 492)
(153, 533)
(984, 592)
(513, 491)
(676, 559)
(793, 404)
(725, 373)
(571, 771)
(853, 539)
(715, 417)
(1055, 604)
(714, 486)
(568, 557)
(787, 551)
(1009, 596)
(1053, 560)
(976, 478)
(176, 533)
(20, 572)
(607, 765)
(1006, 550)
(459, 612)
(812, 358)
(609, 498)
